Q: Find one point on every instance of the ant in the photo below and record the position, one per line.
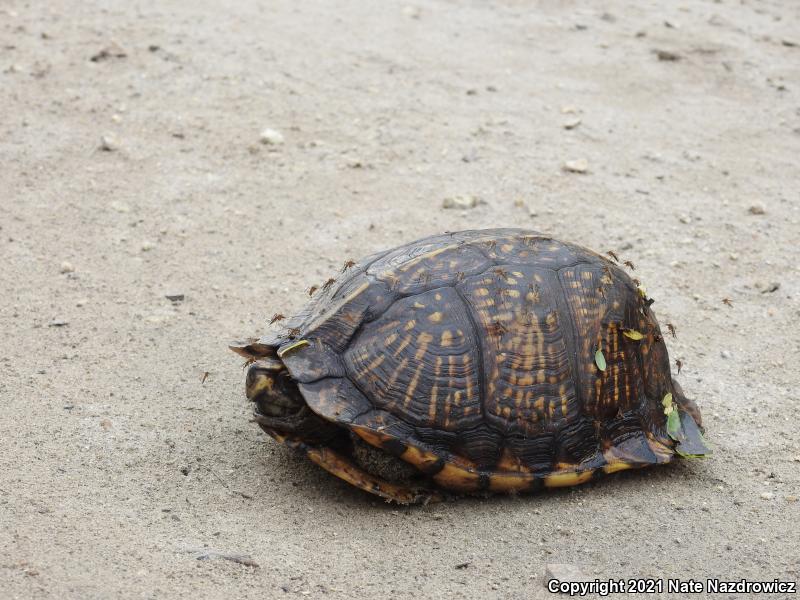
(277, 317)
(679, 364)
(629, 264)
(497, 328)
(327, 285)
(312, 289)
(727, 302)
(613, 255)
(348, 264)
(672, 330)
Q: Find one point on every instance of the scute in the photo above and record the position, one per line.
(419, 361)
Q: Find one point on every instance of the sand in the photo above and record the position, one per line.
(133, 167)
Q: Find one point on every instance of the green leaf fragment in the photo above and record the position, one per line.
(292, 348)
(690, 456)
(667, 402)
(600, 360)
(633, 334)
(674, 424)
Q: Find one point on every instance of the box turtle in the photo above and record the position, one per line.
(477, 361)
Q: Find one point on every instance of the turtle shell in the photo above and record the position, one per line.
(499, 360)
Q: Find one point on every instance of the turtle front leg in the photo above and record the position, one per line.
(344, 468)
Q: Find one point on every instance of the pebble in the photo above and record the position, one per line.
(685, 219)
(412, 12)
(271, 137)
(58, 323)
(120, 207)
(66, 267)
(725, 354)
(668, 56)
(767, 495)
(572, 123)
(757, 209)
(579, 165)
(147, 246)
(563, 572)
(462, 201)
(175, 296)
(109, 143)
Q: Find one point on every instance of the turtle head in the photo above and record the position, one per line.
(277, 398)
(279, 406)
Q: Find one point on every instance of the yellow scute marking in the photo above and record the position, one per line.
(567, 479)
(618, 466)
(457, 478)
(435, 317)
(509, 482)
(419, 458)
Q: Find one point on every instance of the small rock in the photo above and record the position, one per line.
(757, 209)
(113, 50)
(572, 123)
(271, 137)
(580, 165)
(772, 287)
(667, 56)
(175, 296)
(685, 219)
(791, 498)
(109, 143)
(147, 246)
(412, 12)
(105, 424)
(790, 43)
(519, 203)
(767, 495)
(66, 267)
(462, 201)
(120, 207)
(725, 354)
(563, 572)
(58, 323)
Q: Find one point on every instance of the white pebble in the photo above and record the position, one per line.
(271, 137)
(767, 495)
(109, 143)
(580, 165)
(725, 354)
(66, 267)
(147, 246)
(462, 201)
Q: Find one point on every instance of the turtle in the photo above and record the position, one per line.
(473, 362)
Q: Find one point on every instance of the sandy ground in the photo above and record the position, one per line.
(120, 471)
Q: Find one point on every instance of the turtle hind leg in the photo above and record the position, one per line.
(346, 469)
